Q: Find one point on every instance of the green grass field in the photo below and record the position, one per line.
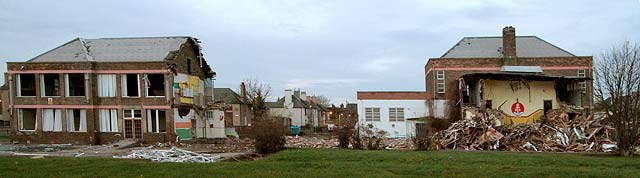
(339, 163)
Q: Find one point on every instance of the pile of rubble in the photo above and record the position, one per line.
(311, 142)
(483, 130)
(398, 144)
(172, 155)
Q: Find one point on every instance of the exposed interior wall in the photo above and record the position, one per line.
(532, 97)
(296, 115)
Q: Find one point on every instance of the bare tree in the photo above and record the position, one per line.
(617, 78)
(256, 95)
(324, 101)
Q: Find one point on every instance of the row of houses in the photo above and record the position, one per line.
(521, 76)
(153, 89)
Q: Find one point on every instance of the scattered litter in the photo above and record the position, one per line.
(78, 154)
(172, 155)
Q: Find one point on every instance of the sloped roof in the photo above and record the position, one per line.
(297, 103)
(226, 95)
(113, 49)
(491, 47)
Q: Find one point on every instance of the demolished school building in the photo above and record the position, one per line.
(97, 91)
(521, 76)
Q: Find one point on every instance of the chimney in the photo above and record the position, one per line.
(288, 102)
(509, 46)
(243, 92)
(303, 95)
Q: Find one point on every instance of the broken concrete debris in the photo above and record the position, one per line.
(172, 155)
(554, 133)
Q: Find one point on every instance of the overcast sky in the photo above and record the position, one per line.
(331, 48)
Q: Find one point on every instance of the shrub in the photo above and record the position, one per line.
(269, 134)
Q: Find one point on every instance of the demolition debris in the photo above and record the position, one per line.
(483, 130)
(172, 155)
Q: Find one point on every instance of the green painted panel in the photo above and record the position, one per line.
(184, 134)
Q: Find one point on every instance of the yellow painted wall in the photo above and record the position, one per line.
(500, 91)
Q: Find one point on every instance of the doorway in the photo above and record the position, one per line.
(547, 106)
(133, 123)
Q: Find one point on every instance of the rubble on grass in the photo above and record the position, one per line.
(172, 155)
(555, 133)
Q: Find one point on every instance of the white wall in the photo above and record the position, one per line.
(412, 109)
(296, 114)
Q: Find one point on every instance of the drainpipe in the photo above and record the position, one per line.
(11, 95)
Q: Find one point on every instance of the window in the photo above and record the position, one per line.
(156, 121)
(50, 84)
(26, 84)
(188, 66)
(208, 114)
(132, 114)
(396, 114)
(440, 81)
(489, 104)
(52, 120)
(372, 114)
(76, 120)
(27, 119)
(582, 74)
(130, 85)
(75, 84)
(108, 120)
(106, 85)
(155, 84)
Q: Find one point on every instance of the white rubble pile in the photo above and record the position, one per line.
(172, 155)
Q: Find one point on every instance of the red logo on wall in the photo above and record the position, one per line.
(517, 108)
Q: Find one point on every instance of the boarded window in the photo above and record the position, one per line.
(106, 85)
(130, 85)
(75, 84)
(372, 114)
(155, 84)
(26, 84)
(440, 84)
(108, 120)
(50, 84)
(396, 114)
(52, 120)
(27, 119)
(156, 121)
(77, 120)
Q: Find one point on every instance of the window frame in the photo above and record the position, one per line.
(20, 116)
(440, 81)
(155, 113)
(395, 115)
(582, 73)
(114, 85)
(80, 113)
(372, 114)
(148, 83)
(43, 91)
(67, 84)
(111, 128)
(124, 87)
(19, 86)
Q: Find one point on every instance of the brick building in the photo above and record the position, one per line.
(505, 71)
(97, 91)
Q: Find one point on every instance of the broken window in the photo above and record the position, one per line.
(396, 114)
(106, 85)
(156, 121)
(155, 84)
(76, 120)
(26, 84)
(489, 104)
(108, 120)
(75, 84)
(52, 120)
(130, 85)
(440, 81)
(50, 84)
(27, 119)
(372, 114)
